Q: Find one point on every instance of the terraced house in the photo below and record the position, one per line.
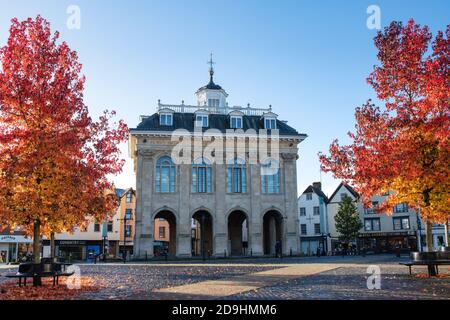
(243, 205)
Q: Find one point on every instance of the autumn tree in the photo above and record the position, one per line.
(347, 220)
(54, 159)
(404, 146)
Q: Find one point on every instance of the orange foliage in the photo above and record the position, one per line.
(11, 291)
(405, 147)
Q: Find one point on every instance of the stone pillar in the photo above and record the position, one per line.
(291, 225)
(220, 227)
(138, 210)
(144, 190)
(255, 223)
(184, 219)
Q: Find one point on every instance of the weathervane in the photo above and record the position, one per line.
(211, 68)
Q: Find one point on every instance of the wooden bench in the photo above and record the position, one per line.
(43, 270)
(430, 259)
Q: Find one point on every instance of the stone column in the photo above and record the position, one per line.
(144, 191)
(256, 220)
(138, 212)
(220, 227)
(184, 220)
(291, 225)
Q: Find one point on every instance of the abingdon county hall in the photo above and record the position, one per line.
(223, 177)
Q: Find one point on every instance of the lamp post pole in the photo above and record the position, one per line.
(203, 236)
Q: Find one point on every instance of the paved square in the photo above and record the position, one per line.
(263, 278)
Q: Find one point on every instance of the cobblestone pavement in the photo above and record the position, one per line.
(350, 283)
(338, 278)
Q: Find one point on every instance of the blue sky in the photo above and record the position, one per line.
(308, 59)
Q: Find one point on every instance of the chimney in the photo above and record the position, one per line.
(317, 185)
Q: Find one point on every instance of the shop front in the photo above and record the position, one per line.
(14, 247)
(80, 250)
(388, 242)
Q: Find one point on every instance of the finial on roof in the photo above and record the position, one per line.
(211, 68)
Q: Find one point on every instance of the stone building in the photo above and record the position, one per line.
(242, 193)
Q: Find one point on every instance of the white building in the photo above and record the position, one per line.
(312, 210)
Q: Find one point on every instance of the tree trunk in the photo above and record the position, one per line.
(431, 269)
(52, 245)
(37, 249)
(447, 236)
(429, 236)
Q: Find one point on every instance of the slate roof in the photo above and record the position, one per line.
(216, 121)
(349, 188)
(317, 191)
(119, 192)
(211, 85)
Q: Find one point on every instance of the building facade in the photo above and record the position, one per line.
(14, 245)
(381, 232)
(312, 211)
(112, 237)
(220, 196)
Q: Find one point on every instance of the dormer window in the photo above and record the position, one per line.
(165, 119)
(236, 122)
(201, 120)
(270, 123)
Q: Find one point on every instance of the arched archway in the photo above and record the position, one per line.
(272, 231)
(202, 243)
(165, 233)
(238, 233)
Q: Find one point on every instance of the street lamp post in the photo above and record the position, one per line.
(203, 236)
(124, 252)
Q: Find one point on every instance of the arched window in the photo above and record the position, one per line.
(165, 175)
(201, 176)
(270, 176)
(237, 176)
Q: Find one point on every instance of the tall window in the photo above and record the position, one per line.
(270, 176)
(129, 197)
(303, 230)
(237, 177)
(201, 120)
(309, 196)
(201, 176)
(302, 211)
(236, 122)
(97, 227)
(110, 226)
(316, 211)
(317, 228)
(128, 214)
(165, 175)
